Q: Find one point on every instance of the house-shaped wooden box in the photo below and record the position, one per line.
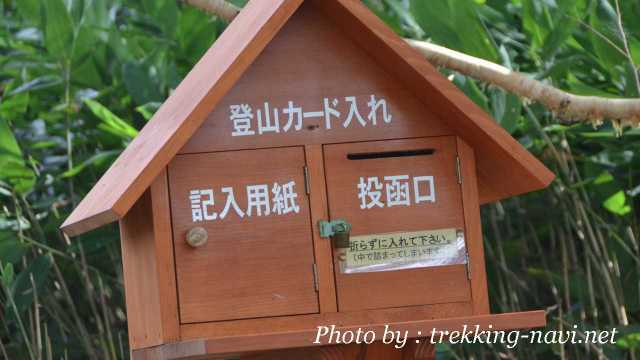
(302, 114)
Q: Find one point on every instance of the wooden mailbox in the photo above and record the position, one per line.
(312, 169)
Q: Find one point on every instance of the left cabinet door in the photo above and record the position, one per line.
(258, 257)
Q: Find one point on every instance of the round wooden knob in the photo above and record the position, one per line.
(197, 237)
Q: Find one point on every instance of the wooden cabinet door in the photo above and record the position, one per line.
(258, 261)
(358, 176)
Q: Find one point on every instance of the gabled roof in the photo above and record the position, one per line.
(504, 167)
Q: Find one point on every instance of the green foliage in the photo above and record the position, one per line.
(455, 24)
(572, 249)
(110, 122)
(14, 168)
(617, 204)
(58, 32)
(11, 249)
(79, 78)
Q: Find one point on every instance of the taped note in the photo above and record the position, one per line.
(403, 250)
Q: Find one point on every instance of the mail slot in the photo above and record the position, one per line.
(258, 257)
(402, 199)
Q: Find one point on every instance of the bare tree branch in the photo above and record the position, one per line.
(221, 8)
(568, 107)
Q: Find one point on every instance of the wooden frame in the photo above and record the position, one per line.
(473, 229)
(319, 211)
(149, 269)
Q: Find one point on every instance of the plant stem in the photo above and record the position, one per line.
(625, 43)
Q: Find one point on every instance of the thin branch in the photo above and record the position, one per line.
(568, 107)
(602, 36)
(221, 8)
(625, 42)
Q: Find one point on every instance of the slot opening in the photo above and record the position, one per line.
(390, 154)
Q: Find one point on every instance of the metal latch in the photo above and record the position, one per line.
(337, 230)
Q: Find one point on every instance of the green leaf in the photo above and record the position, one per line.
(603, 19)
(14, 107)
(97, 159)
(58, 29)
(147, 110)
(195, 34)
(609, 134)
(39, 83)
(29, 9)
(165, 13)
(536, 21)
(566, 20)
(471, 89)
(11, 249)
(87, 73)
(603, 178)
(578, 87)
(629, 341)
(8, 275)
(18, 175)
(8, 144)
(506, 109)
(142, 87)
(110, 122)
(14, 169)
(398, 18)
(91, 30)
(617, 204)
(22, 288)
(454, 24)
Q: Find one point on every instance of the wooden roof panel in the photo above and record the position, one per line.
(181, 115)
(505, 168)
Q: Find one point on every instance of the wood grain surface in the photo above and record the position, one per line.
(310, 59)
(252, 266)
(403, 287)
(473, 226)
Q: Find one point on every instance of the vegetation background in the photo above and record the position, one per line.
(78, 78)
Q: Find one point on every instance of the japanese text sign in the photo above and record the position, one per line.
(404, 250)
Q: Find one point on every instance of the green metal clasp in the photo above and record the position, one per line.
(337, 230)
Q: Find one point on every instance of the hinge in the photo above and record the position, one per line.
(466, 254)
(458, 170)
(307, 187)
(316, 286)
